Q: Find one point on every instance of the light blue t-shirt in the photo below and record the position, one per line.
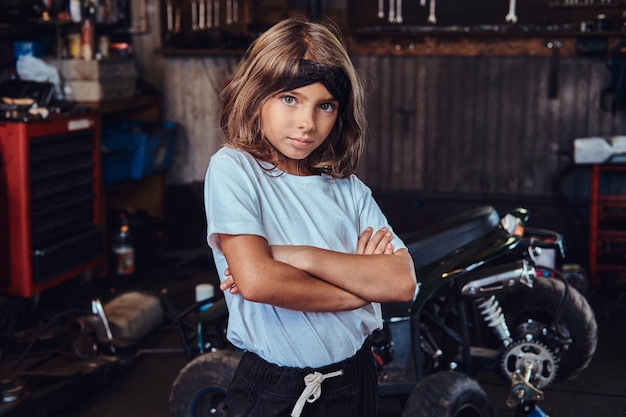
(241, 197)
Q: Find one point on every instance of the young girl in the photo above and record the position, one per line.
(305, 253)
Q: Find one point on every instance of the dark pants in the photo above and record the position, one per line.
(262, 389)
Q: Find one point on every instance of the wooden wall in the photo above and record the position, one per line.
(438, 124)
(479, 124)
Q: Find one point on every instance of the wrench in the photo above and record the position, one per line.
(381, 9)
(553, 73)
(398, 11)
(202, 15)
(431, 14)
(511, 17)
(170, 18)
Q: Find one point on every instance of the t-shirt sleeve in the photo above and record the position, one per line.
(230, 199)
(370, 213)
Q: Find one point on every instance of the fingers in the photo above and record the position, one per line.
(388, 249)
(229, 283)
(378, 243)
(370, 243)
(363, 240)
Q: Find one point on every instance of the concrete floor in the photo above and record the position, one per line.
(144, 389)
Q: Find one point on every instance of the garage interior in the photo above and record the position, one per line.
(471, 104)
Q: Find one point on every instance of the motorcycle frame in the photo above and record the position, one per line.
(480, 263)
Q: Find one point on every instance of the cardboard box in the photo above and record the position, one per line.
(77, 69)
(99, 90)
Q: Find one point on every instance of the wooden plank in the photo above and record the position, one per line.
(408, 164)
(431, 130)
(399, 132)
(385, 114)
(420, 124)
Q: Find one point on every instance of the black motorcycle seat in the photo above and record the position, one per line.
(442, 238)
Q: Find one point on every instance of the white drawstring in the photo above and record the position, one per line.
(312, 390)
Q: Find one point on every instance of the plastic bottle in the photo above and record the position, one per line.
(123, 248)
(204, 292)
(87, 35)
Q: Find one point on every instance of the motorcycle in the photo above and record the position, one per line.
(480, 305)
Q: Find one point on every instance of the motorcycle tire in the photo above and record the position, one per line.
(577, 318)
(199, 389)
(447, 394)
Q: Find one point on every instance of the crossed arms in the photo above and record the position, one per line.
(307, 278)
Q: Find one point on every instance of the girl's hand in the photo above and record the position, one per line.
(378, 243)
(229, 283)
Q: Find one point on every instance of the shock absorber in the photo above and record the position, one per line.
(492, 314)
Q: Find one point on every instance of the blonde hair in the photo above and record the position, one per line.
(265, 70)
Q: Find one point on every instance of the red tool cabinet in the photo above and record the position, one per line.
(51, 226)
(607, 245)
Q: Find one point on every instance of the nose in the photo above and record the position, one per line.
(306, 119)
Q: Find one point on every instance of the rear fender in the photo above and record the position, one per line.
(460, 262)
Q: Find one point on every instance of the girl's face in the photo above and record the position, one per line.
(297, 122)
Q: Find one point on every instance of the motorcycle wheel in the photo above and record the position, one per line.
(447, 394)
(577, 320)
(200, 387)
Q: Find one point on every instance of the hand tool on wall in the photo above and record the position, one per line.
(398, 11)
(431, 13)
(381, 9)
(229, 12)
(553, 72)
(392, 11)
(168, 16)
(613, 96)
(511, 17)
(202, 15)
(235, 11)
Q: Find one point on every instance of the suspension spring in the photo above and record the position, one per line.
(493, 316)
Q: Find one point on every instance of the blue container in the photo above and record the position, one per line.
(25, 48)
(135, 149)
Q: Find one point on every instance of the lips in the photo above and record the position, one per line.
(300, 142)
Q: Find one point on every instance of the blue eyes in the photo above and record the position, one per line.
(291, 101)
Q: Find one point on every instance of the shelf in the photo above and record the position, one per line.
(607, 244)
(146, 107)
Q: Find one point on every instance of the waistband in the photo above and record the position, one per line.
(290, 380)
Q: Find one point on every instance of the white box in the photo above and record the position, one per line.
(99, 90)
(78, 69)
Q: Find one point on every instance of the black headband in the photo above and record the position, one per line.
(334, 79)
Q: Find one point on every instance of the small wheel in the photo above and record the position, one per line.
(448, 394)
(199, 390)
(533, 312)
